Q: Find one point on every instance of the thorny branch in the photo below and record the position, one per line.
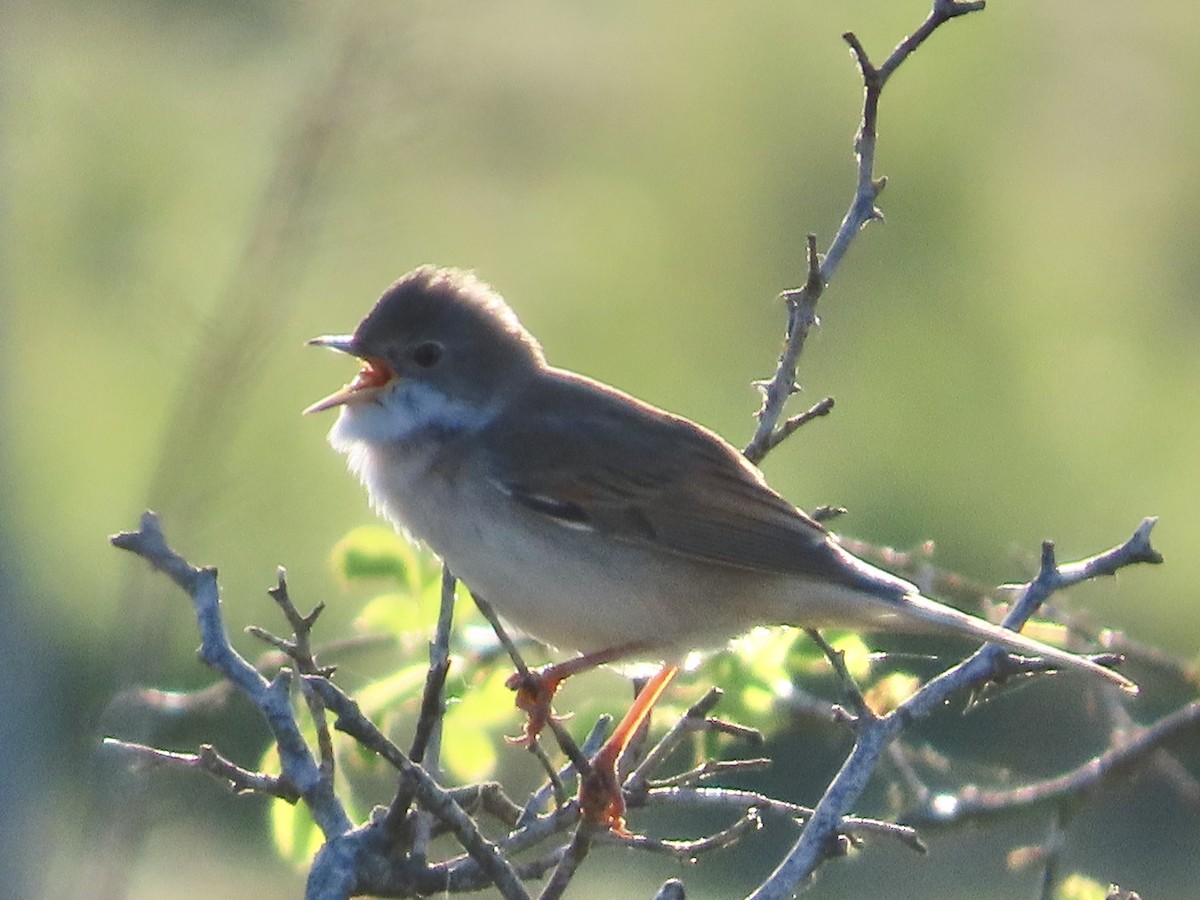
(801, 302)
(239, 780)
(874, 734)
(345, 866)
(358, 859)
(272, 699)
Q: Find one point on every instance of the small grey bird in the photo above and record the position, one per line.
(589, 519)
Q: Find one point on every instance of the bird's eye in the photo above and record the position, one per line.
(427, 354)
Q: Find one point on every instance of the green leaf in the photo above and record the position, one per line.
(470, 755)
(296, 836)
(766, 652)
(1080, 887)
(396, 613)
(890, 691)
(752, 672)
(403, 685)
(471, 724)
(856, 653)
(376, 551)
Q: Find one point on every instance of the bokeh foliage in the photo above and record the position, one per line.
(1013, 352)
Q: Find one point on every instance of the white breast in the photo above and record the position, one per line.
(571, 587)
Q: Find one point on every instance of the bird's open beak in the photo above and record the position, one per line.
(374, 374)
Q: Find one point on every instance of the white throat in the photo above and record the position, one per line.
(391, 440)
(404, 412)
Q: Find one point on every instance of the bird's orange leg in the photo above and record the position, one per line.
(536, 687)
(600, 798)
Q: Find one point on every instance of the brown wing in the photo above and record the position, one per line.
(589, 457)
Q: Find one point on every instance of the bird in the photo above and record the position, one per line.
(591, 520)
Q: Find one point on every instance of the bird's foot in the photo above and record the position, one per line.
(535, 692)
(601, 801)
(600, 798)
(536, 688)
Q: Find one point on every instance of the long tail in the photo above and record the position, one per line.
(946, 619)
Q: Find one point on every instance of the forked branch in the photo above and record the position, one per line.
(802, 302)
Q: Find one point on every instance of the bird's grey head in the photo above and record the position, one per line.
(440, 351)
(436, 320)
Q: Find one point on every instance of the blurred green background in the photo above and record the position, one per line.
(191, 189)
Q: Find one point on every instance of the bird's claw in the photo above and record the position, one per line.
(601, 801)
(535, 692)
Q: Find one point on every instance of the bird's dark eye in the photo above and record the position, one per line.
(427, 354)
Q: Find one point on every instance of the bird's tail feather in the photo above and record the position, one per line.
(941, 618)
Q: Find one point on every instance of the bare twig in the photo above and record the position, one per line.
(565, 742)
(427, 792)
(709, 768)
(1053, 577)
(433, 705)
(837, 658)
(272, 698)
(873, 735)
(570, 749)
(801, 302)
(427, 741)
(638, 779)
(555, 783)
(427, 735)
(239, 780)
(801, 305)
(792, 423)
(576, 852)
(533, 831)
(639, 782)
(316, 709)
(488, 797)
(750, 821)
(299, 648)
(1138, 747)
(739, 800)
(502, 634)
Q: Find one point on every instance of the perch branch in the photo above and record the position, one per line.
(555, 784)
(425, 790)
(426, 743)
(565, 742)
(271, 698)
(975, 803)
(818, 839)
